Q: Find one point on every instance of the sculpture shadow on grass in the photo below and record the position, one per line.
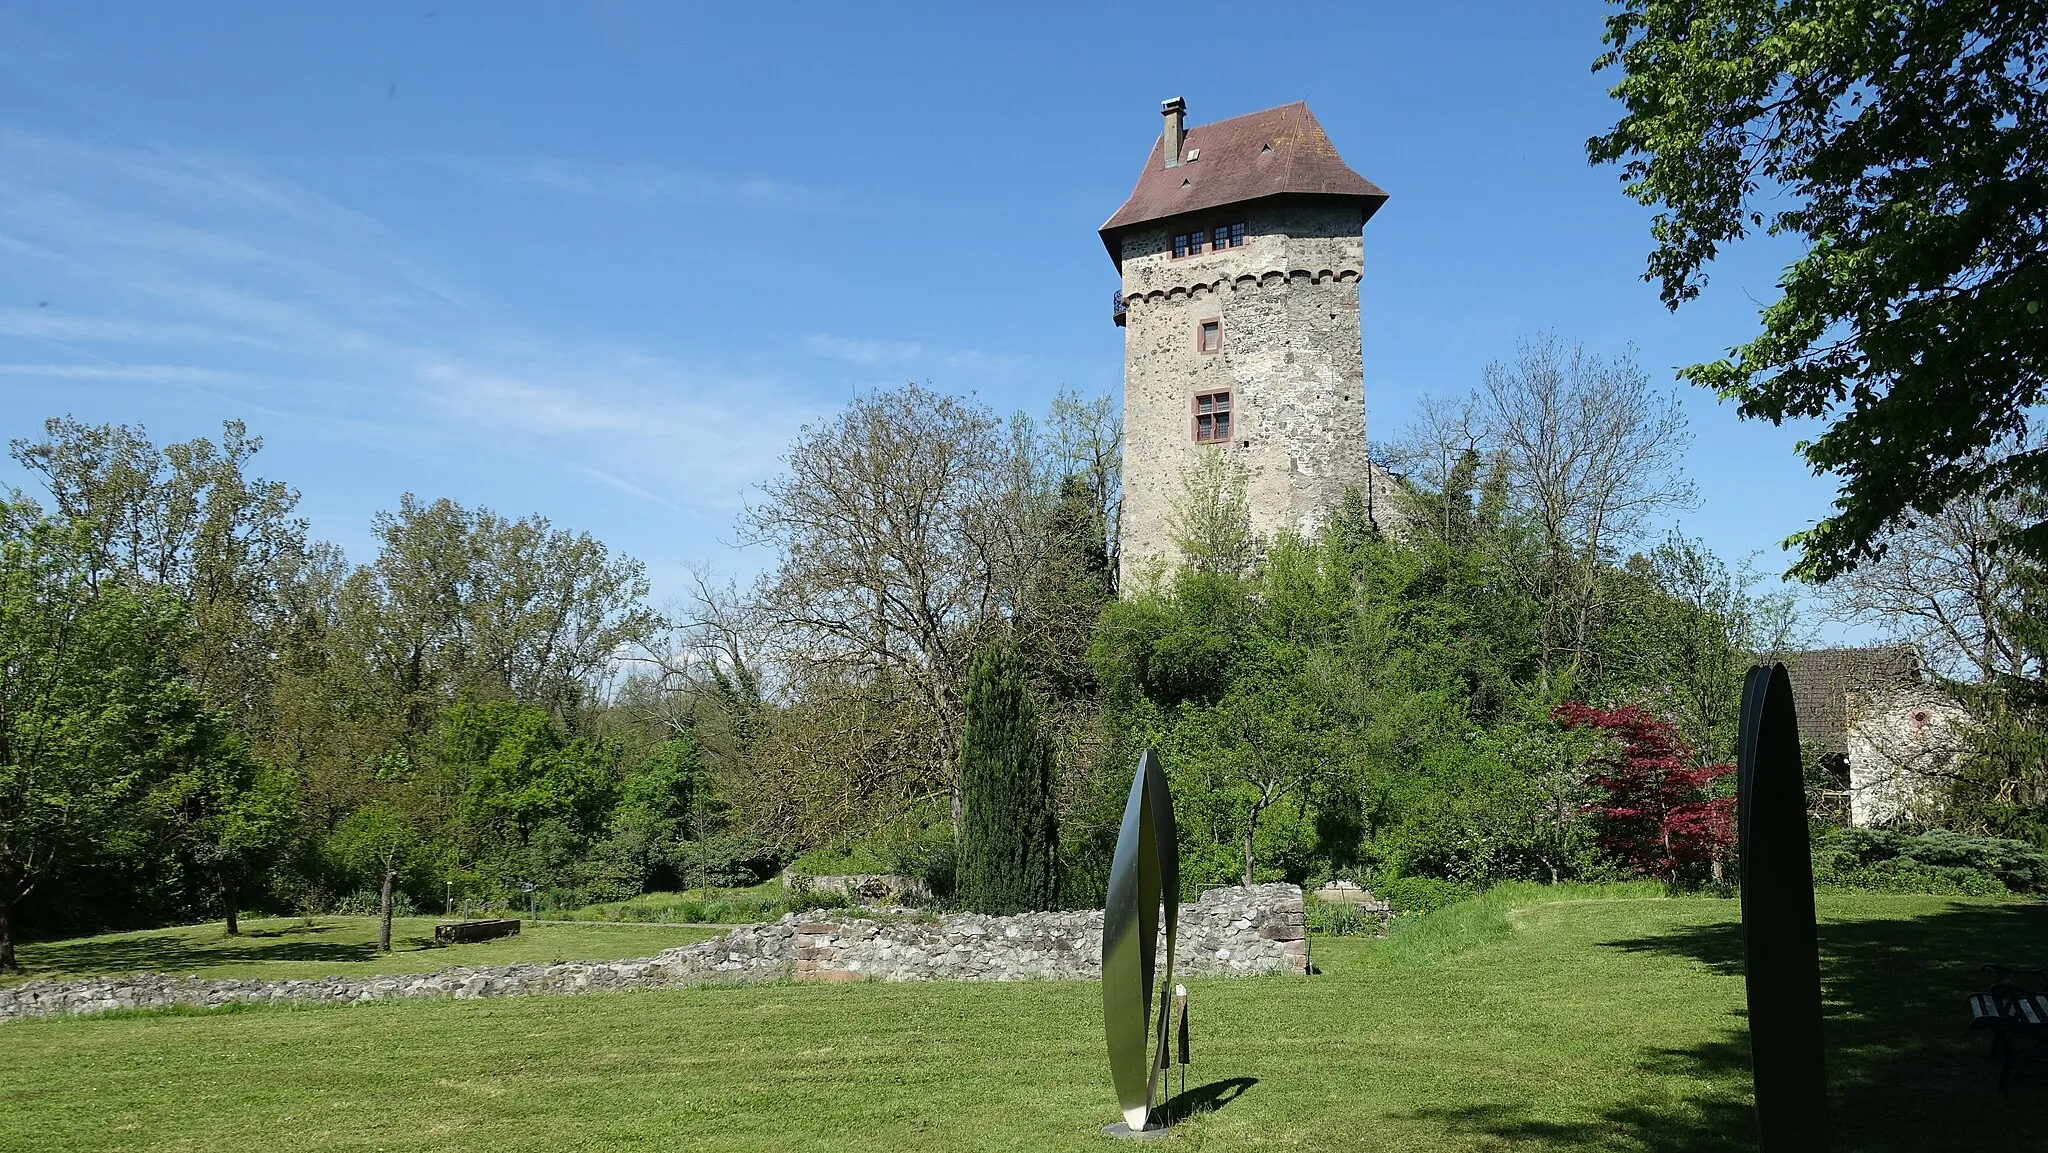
(1904, 1072)
(1206, 1098)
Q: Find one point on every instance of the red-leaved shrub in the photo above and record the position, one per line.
(1655, 815)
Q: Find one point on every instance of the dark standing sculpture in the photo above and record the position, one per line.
(1144, 878)
(1781, 956)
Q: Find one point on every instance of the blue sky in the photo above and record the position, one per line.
(600, 261)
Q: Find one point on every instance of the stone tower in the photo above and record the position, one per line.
(1240, 251)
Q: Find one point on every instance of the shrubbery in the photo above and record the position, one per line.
(366, 903)
(1423, 894)
(1339, 919)
(919, 849)
(809, 899)
(1941, 862)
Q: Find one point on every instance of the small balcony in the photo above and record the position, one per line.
(1117, 307)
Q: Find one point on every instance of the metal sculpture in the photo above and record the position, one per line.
(1144, 879)
(1780, 952)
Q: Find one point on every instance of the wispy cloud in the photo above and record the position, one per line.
(306, 307)
(43, 324)
(912, 355)
(166, 373)
(642, 185)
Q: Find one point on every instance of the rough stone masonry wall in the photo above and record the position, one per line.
(1290, 356)
(1228, 933)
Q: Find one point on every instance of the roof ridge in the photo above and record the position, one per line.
(1230, 170)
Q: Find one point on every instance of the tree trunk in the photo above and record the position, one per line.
(7, 963)
(227, 900)
(384, 912)
(1251, 824)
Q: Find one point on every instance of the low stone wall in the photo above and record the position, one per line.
(1228, 933)
(870, 888)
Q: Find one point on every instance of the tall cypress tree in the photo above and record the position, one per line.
(1009, 840)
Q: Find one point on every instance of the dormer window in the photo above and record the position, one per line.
(1216, 238)
(1212, 417)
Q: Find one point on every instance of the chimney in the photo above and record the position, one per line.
(1175, 111)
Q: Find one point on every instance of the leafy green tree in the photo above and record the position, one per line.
(504, 773)
(227, 812)
(1211, 522)
(190, 518)
(1900, 143)
(1009, 841)
(1065, 591)
(657, 827)
(383, 840)
(1684, 628)
(91, 704)
(462, 602)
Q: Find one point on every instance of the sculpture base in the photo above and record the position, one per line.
(1152, 1131)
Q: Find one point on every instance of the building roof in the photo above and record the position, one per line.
(1822, 680)
(1277, 152)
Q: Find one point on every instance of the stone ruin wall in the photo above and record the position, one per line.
(1230, 932)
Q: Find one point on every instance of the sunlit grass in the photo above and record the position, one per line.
(279, 948)
(1608, 1020)
(762, 902)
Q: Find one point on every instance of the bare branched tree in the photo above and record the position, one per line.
(1942, 585)
(1439, 455)
(1085, 439)
(897, 526)
(1592, 453)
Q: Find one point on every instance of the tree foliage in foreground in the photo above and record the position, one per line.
(1904, 143)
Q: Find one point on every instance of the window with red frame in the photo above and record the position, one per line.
(1212, 417)
(1218, 238)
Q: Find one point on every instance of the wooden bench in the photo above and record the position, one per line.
(2013, 1009)
(464, 932)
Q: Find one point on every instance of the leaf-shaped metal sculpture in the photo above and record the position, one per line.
(1781, 956)
(1144, 878)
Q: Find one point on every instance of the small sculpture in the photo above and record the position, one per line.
(1144, 881)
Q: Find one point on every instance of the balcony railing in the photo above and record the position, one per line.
(1117, 308)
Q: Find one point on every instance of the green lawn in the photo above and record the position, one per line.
(1607, 1021)
(289, 947)
(725, 906)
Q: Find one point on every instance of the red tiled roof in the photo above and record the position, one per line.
(1272, 153)
(1822, 680)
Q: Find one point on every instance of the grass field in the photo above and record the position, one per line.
(1601, 1020)
(281, 948)
(727, 906)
